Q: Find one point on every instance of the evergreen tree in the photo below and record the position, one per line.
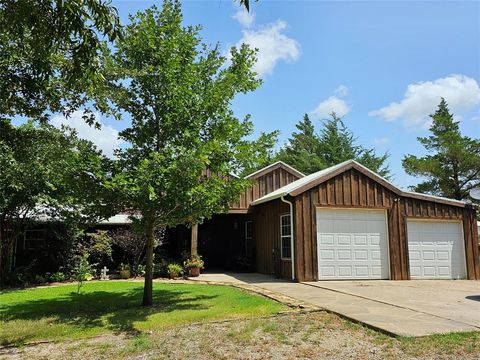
(338, 144)
(452, 166)
(309, 152)
(302, 149)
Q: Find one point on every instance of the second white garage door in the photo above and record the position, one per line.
(352, 244)
(436, 250)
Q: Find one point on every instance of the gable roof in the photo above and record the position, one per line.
(274, 166)
(297, 187)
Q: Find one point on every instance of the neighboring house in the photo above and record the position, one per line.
(344, 222)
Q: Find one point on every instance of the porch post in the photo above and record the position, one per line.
(194, 245)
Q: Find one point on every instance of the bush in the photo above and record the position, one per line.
(83, 271)
(57, 277)
(140, 270)
(39, 279)
(160, 268)
(194, 261)
(174, 270)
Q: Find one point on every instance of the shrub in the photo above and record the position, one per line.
(39, 279)
(21, 276)
(124, 267)
(57, 277)
(83, 271)
(194, 261)
(174, 270)
(140, 270)
(160, 268)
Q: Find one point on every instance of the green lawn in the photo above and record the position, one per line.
(58, 312)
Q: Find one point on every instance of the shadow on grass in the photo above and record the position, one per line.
(115, 311)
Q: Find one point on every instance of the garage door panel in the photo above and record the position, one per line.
(344, 239)
(436, 250)
(359, 244)
(326, 239)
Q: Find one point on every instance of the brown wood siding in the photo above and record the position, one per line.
(266, 218)
(470, 231)
(264, 185)
(353, 189)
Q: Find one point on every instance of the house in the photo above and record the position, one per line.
(346, 222)
(343, 222)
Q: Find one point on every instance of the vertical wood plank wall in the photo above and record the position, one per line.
(353, 189)
(264, 185)
(266, 219)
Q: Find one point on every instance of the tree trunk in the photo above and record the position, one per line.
(148, 287)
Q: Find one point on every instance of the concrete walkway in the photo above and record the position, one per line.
(400, 308)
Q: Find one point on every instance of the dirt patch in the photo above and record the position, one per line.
(305, 335)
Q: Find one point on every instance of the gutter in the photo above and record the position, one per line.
(292, 231)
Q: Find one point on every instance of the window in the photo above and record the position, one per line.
(286, 236)
(33, 239)
(248, 234)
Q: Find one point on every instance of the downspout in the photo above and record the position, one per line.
(291, 236)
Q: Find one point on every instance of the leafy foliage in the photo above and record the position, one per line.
(174, 270)
(194, 261)
(309, 152)
(100, 246)
(47, 173)
(452, 166)
(51, 55)
(83, 271)
(184, 138)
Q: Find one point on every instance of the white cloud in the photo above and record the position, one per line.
(332, 104)
(421, 99)
(273, 46)
(381, 141)
(245, 18)
(341, 91)
(106, 138)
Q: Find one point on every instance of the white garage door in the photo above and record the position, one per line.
(436, 250)
(352, 244)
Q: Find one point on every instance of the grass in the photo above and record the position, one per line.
(310, 335)
(456, 343)
(54, 313)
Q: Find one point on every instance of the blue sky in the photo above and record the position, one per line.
(383, 65)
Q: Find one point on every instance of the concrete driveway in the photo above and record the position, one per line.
(405, 308)
(427, 306)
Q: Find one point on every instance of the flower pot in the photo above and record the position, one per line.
(194, 272)
(124, 274)
(173, 275)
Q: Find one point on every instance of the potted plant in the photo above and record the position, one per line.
(174, 270)
(194, 264)
(124, 271)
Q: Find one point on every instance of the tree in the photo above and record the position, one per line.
(46, 173)
(50, 55)
(452, 166)
(309, 152)
(264, 153)
(177, 92)
(303, 148)
(338, 144)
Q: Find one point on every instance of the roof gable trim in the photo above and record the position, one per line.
(274, 166)
(312, 180)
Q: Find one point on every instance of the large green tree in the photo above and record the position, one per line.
(309, 151)
(50, 55)
(303, 148)
(177, 91)
(452, 166)
(47, 172)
